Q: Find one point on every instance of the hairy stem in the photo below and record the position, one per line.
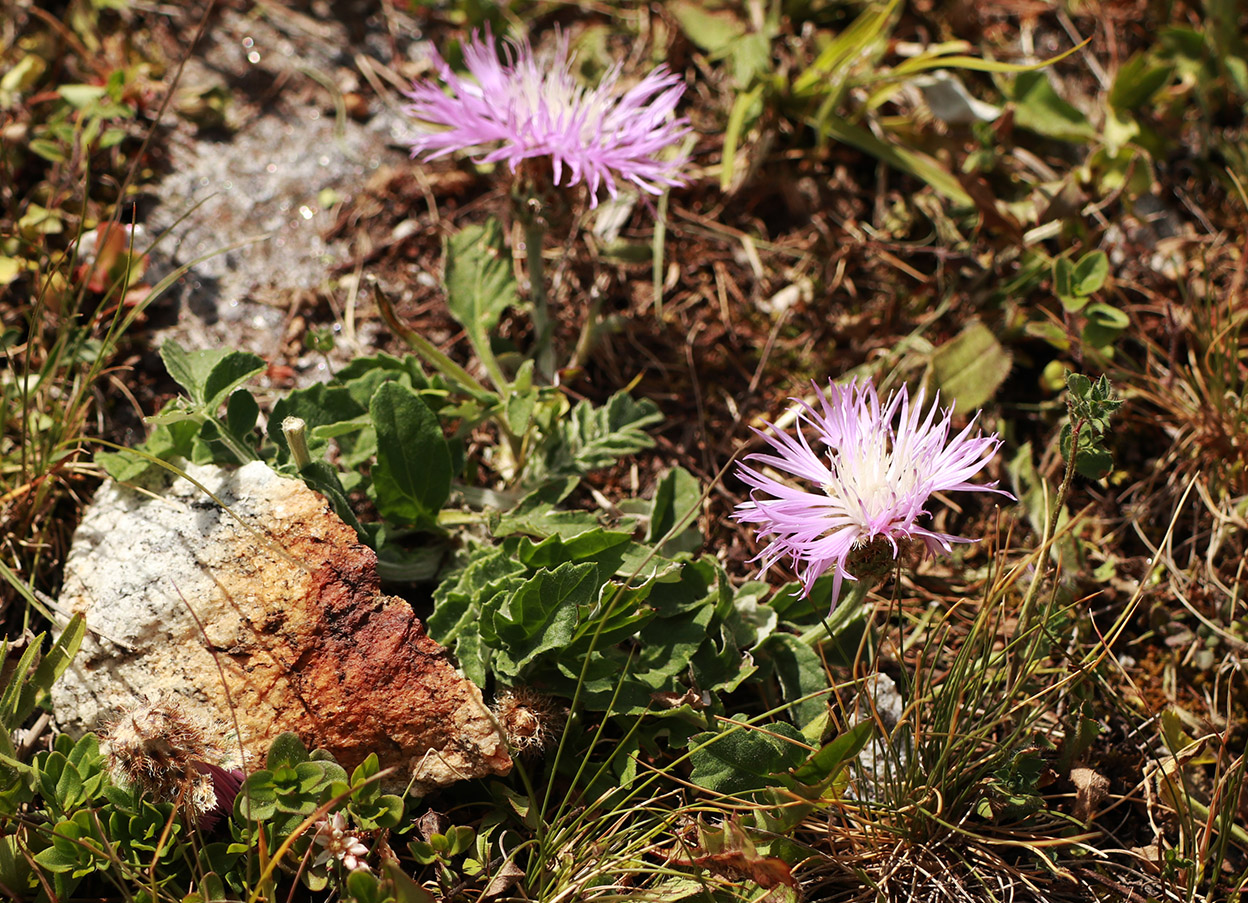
(534, 235)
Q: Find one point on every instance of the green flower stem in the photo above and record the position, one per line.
(240, 451)
(589, 331)
(1050, 527)
(534, 235)
(435, 358)
(855, 597)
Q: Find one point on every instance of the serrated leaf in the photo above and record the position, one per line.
(412, 477)
(457, 598)
(969, 368)
(536, 515)
(539, 616)
(591, 438)
(590, 545)
(480, 282)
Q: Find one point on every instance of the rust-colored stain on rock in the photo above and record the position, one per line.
(292, 615)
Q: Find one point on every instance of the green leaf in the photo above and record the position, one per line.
(211, 374)
(190, 370)
(423, 852)
(32, 678)
(21, 77)
(460, 839)
(540, 616)
(48, 150)
(1138, 79)
(588, 546)
(1090, 273)
(1039, 109)
(906, 159)
(800, 671)
(745, 111)
(751, 56)
(828, 761)
(1063, 284)
(404, 889)
(591, 438)
(412, 477)
(480, 281)
(364, 887)
(384, 812)
(741, 759)
(970, 368)
(69, 793)
(323, 408)
(287, 750)
(1104, 324)
(362, 376)
(230, 372)
(536, 514)
(677, 503)
(10, 269)
(241, 414)
(521, 402)
(713, 32)
(457, 598)
(81, 96)
(58, 858)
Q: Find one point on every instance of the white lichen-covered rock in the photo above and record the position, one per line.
(267, 613)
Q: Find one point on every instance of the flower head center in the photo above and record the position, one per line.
(874, 480)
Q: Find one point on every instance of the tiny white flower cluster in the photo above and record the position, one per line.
(336, 843)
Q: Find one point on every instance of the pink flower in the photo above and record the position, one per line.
(872, 480)
(525, 106)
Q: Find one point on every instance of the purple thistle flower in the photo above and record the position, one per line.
(872, 479)
(525, 107)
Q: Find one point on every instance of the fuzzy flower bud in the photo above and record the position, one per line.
(175, 757)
